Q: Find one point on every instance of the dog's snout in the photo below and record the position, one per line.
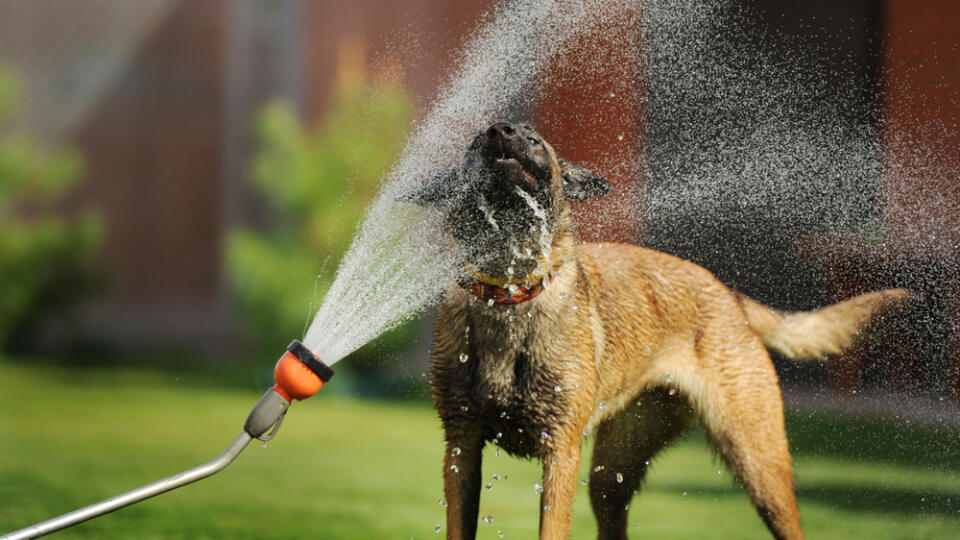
(503, 131)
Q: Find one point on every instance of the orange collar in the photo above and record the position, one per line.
(502, 291)
(512, 294)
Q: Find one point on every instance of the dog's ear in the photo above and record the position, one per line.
(435, 191)
(580, 184)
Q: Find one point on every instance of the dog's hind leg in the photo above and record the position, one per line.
(625, 445)
(740, 405)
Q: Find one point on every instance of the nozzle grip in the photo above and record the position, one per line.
(311, 360)
(266, 413)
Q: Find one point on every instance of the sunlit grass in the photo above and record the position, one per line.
(357, 469)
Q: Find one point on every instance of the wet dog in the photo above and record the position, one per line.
(546, 339)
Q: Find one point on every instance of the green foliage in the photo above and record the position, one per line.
(43, 257)
(319, 183)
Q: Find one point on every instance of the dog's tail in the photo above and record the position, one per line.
(812, 335)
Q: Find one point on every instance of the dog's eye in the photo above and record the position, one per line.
(531, 140)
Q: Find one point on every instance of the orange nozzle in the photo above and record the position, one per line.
(299, 373)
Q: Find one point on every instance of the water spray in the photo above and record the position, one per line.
(299, 374)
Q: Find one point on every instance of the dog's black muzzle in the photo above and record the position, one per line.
(503, 140)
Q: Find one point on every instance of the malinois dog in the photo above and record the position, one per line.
(545, 339)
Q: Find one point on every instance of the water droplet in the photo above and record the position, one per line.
(503, 413)
(437, 528)
(498, 454)
(619, 478)
(598, 468)
(544, 435)
(620, 137)
(464, 358)
(672, 391)
(489, 486)
(496, 476)
(537, 487)
(456, 451)
(583, 482)
(490, 302)
(500, 534)
(455, 469)
(601, 405)
(557, 389)
(464, 408)
(533, 395)
(488, 519)
(546, 508)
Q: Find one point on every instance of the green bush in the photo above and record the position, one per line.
(319, 182)
(44, 257)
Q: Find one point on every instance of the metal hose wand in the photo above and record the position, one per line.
(299, 374)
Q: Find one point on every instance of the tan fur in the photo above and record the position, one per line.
(638, 344)
(815, 334)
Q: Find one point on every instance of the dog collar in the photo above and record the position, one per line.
(545, 268)
(512, 294)
(502, 291)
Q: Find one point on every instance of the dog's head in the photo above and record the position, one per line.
(507, 203)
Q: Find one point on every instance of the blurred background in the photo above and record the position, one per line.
(178, 181)
(182, 176)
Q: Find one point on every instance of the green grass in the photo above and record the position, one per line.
(351, 469)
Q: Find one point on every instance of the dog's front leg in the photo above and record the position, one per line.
(559, 486)
(461, 486)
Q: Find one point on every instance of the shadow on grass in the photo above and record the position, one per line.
(856, 440)
(885, 500)
(873, 499)
(885, 441)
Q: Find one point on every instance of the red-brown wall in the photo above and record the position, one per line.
(152, 151)
(921, 111)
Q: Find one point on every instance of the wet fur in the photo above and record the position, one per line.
(637, 344)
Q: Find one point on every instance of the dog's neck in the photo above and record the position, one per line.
(515, 291)
(498, 290)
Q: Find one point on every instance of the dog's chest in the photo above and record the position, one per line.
(505, 381)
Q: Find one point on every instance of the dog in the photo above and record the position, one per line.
(544, 340)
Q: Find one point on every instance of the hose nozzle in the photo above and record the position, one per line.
(299, 374)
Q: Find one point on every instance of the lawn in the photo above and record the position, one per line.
(343, 468)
